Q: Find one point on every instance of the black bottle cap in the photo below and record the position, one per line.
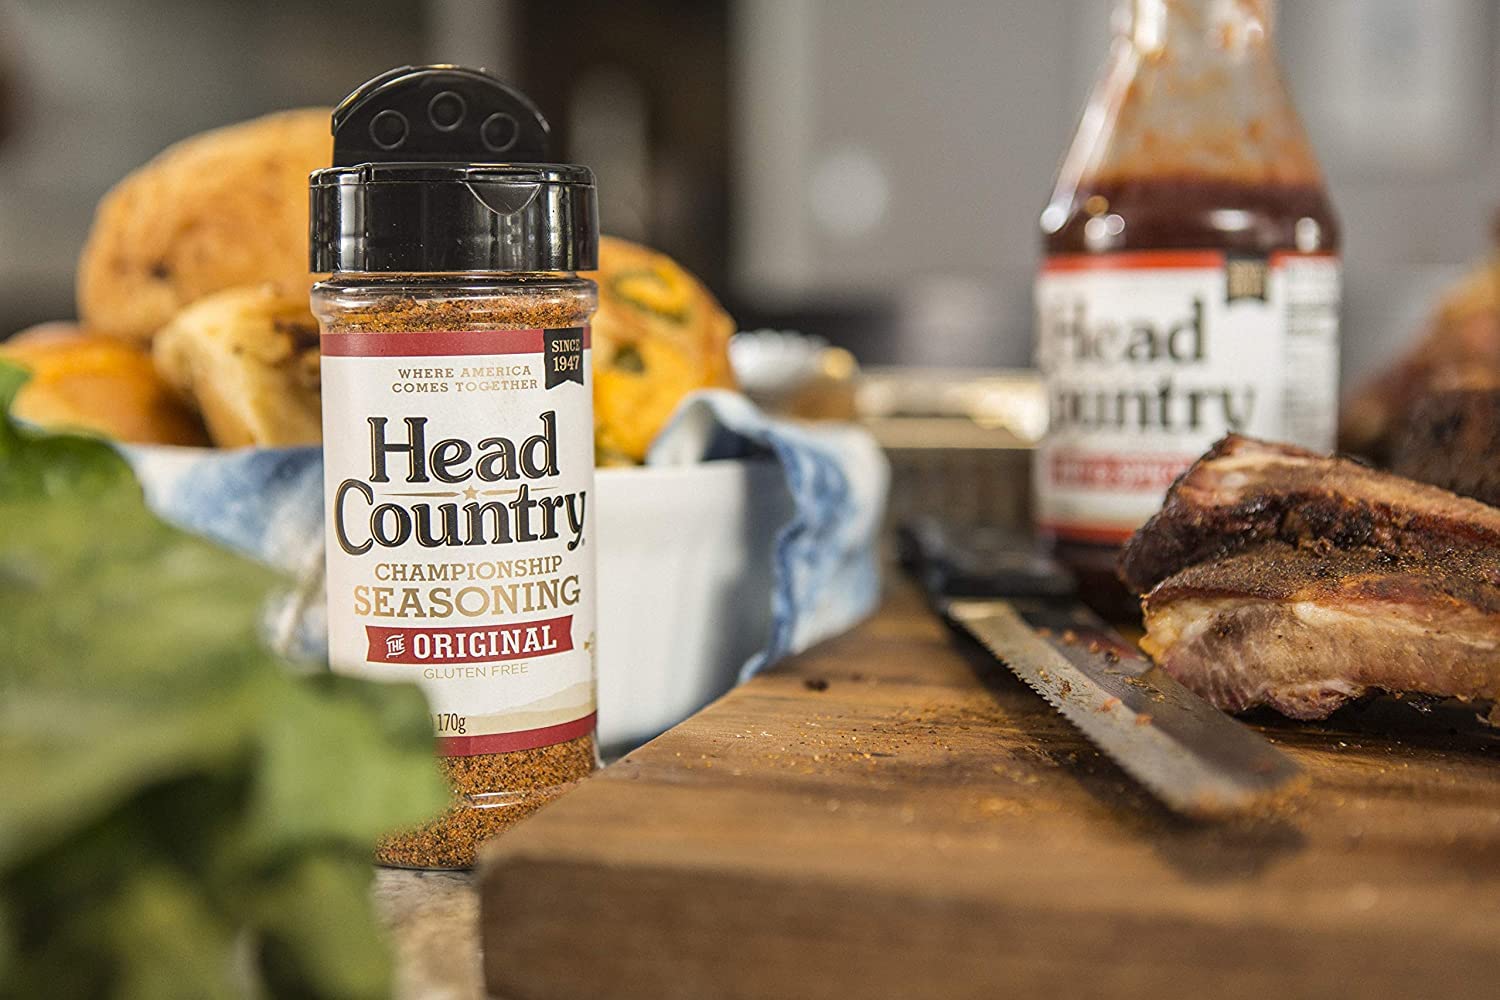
(446, 169)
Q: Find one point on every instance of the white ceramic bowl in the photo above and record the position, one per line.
(684, 556)
(684, 564)
(684, 588)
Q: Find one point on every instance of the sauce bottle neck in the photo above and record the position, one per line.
(1232, 26)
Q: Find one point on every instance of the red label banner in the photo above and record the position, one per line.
(1083, 471)
(478, 644)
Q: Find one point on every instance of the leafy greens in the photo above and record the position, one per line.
(180, 814)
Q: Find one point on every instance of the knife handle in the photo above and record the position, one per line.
(978, 562)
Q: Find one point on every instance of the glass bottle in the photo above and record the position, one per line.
(1190, 284)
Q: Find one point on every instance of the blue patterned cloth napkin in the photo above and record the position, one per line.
(827, 565)
(267, 503)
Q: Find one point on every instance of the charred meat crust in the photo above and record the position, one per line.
(1280, 572)
(1451, 438)
(1244, 493)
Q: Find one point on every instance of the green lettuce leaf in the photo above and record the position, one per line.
(183, 815)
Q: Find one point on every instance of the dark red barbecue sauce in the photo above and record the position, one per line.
(1178, 213)
(1168, 212)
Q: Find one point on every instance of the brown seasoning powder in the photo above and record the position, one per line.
(491, 792)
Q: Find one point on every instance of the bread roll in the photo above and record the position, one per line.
(223, 209)
(658, 335)
(247, 359)
(86, 381)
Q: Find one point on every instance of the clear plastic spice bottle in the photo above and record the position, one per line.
(458, 435)
(1191, 283)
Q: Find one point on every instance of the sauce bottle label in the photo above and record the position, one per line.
(1150, 357)
(459, 471)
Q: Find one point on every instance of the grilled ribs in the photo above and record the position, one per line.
(1305, 632)
(1281, 577)
(1462, 340)
(1451, 438)
(1244, 492)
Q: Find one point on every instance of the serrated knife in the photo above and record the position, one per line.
(1194, 758)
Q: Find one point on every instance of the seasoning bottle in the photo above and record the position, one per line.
(1190, 285)
(458, 435)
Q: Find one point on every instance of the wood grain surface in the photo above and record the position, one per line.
(891, 816)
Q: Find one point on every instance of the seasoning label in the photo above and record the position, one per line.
(1150, 357)
(459, 471)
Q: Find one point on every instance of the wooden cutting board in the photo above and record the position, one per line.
(891, 816)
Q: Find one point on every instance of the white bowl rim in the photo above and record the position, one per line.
(717, 466)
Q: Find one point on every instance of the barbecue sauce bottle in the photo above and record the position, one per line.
(1190, 284)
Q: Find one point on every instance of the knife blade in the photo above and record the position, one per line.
(1198, 761)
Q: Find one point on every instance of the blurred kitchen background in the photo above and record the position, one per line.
(867, 170)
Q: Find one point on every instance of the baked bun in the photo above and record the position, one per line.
(90, 382)
(247, 359)
(658, 335)
(222, 209)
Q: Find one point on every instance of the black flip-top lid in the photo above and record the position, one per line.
(443, 169)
